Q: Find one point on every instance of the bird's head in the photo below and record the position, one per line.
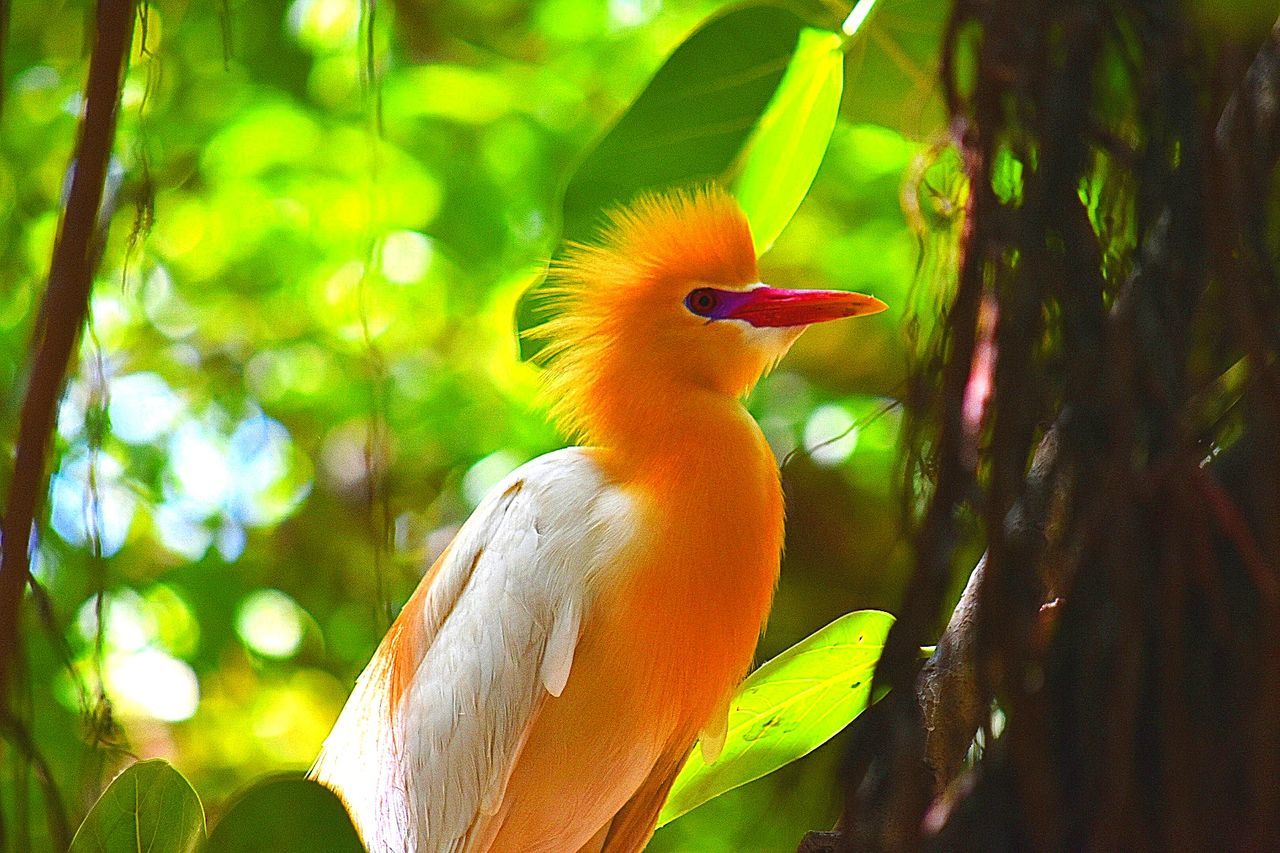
(670, 297)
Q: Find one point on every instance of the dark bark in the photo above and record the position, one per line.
(1141, 708)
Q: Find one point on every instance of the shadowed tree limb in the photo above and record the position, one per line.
(1251, 120)
(66, 304)
(953, 703)
(951, 699)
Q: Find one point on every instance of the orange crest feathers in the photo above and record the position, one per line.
(700, 234)
(660, 239)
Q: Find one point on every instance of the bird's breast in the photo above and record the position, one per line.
(693, 593)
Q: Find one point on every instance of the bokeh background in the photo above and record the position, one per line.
(302, 370)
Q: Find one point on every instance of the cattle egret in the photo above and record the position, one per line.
(590, 622)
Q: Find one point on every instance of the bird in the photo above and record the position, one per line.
(592, 618)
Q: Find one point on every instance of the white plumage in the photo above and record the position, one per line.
(498, 630)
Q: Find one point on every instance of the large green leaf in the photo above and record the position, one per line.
(891, 68)
(149, 808)
(788, 708)
(285, 815)
(694, 118)
(788, 146)
(691, 124)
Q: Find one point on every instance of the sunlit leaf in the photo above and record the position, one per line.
(285, 815)
(787, 708)
(690, 124)
(788, 146)
(149, 801)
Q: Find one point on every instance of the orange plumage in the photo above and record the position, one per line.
(542, 688)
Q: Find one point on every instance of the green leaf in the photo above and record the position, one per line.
(891, 68)
(693, 120)
(787, 708)
(791, 140)
(149, 807)
(286, 814)
(691, 124)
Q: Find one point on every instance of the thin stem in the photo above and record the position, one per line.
(66, 305)
(857, 17)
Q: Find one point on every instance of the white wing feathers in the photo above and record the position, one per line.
(558, 656)
(499, 626)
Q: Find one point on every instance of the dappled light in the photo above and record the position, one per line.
(301, 368)
(301, 302)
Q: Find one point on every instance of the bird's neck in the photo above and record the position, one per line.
(698, 461)
(667, 432)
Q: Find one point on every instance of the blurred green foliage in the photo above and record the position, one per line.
(303, 374)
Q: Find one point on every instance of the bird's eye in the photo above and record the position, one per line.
(702, 301)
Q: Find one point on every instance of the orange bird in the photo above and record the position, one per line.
(590, 622)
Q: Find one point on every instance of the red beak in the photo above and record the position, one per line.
(774, 307)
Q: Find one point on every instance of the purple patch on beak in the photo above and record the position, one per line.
(716, 304)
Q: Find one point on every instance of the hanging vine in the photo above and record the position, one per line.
(1117, 271)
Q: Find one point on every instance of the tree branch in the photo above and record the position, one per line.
(1251, 120)
(952, 700)
(66, 304)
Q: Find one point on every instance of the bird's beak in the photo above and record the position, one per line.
(775, 307)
